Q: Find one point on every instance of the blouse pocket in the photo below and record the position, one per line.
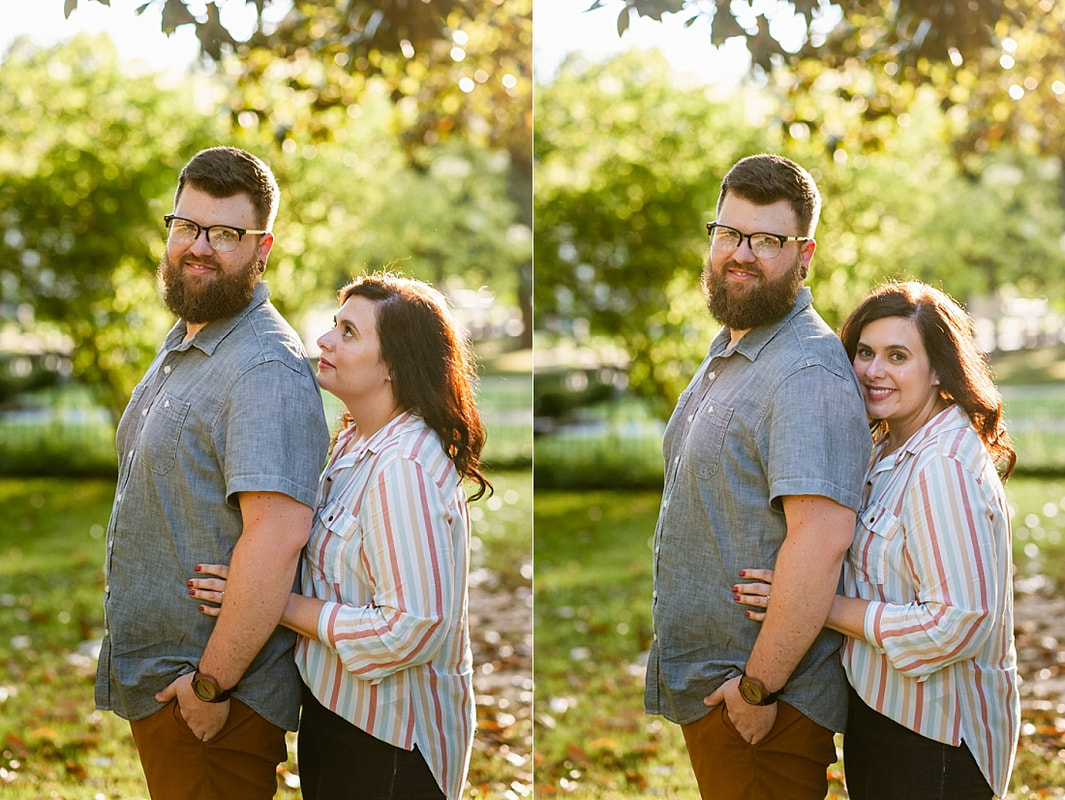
(868, 554)
(706, 438)
(336, 533)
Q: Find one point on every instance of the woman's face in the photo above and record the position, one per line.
(350, 365)
(897, 379)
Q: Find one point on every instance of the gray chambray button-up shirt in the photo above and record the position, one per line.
(235, 409)
(779, 414)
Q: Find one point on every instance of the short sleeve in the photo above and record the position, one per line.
(273, 436)
(819, 441)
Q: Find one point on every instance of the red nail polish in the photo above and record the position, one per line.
(735, 589)
(192, 592)
(199, 568)
(736, 597)
(743, 573)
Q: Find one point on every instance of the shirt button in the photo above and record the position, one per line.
(711, 375)
(144, 413)
(710, 410)
(166, 370)
(166, 404)
(691, 417)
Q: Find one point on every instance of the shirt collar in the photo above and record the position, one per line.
(215, 331)
(404, 422)
(949, 419)
(755, 340)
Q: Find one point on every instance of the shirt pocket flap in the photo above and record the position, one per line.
(337, 531)
(877, 526)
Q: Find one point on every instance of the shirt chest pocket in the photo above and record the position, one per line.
(338, 536)
(162, 432)
(706, 438)
(868, 556)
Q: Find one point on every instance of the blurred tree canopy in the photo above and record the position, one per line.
(89, 158)
(454, 70)
(997, 66)
(628, 171)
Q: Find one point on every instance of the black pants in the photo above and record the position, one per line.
(887, 761)
(338, 761)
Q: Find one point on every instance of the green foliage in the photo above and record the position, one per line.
(995, 64)
(87, 156)
(627, 172)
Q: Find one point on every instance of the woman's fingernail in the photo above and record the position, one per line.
(736, 597)
(199, 568)
(743, 573)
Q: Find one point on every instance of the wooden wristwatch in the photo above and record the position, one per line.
(754, 693)
(207, 688)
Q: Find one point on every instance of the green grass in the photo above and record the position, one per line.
(53, 743)
(593, 581)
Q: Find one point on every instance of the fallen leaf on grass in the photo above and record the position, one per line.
(603, 744)
(636, 779)
(77, 770)
(577, 754)
(17, 745)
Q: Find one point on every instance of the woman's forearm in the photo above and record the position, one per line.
(847, 616)
(301, 615)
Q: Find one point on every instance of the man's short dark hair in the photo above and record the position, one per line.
(765, 179)
(228, 171)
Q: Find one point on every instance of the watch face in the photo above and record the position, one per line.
(751, 692)
(204, 689)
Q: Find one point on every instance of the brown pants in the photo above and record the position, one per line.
(240, 763)
(791, 763)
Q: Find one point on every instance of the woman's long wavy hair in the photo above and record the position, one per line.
(431, 364)
(947, 334)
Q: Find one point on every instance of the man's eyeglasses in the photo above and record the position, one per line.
(724, 240)
(223, 238)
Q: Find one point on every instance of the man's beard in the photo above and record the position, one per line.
(199, 299)
(740, 307)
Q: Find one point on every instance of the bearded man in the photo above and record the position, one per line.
(764, 458)
(219, 451)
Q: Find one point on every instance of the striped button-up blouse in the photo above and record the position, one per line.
(932, 554)
(389, 553)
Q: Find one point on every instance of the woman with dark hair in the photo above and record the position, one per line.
(384, 647)
(927, 607)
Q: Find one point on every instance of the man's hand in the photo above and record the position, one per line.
(753, 723)
(205, 720)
